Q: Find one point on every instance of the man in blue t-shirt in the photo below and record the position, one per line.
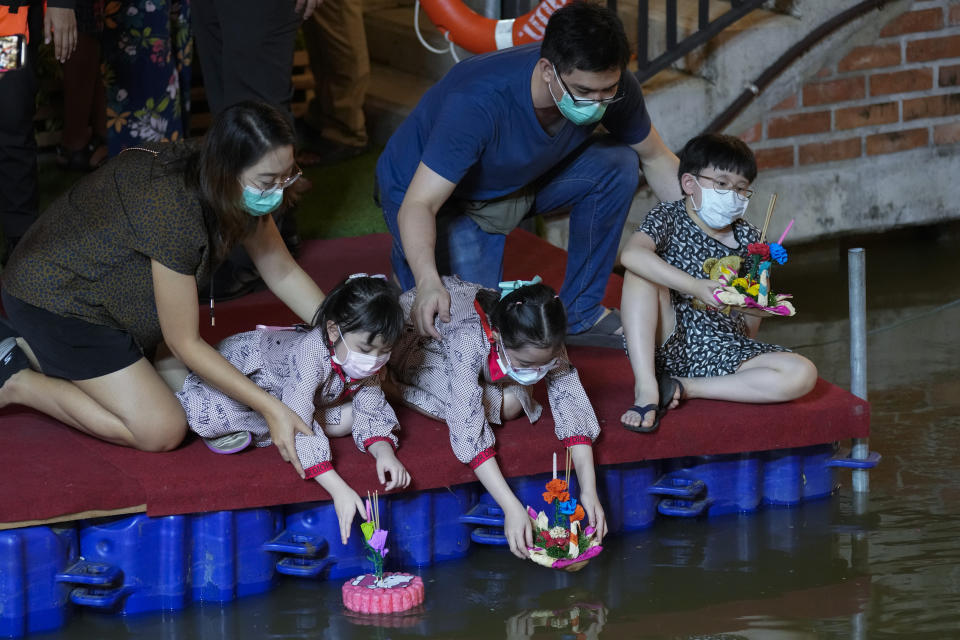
(509, 134)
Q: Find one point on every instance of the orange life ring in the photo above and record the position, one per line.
(478, 34)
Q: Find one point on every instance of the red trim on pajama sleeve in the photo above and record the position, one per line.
(573, 440)
(482, 457)
(317, 469)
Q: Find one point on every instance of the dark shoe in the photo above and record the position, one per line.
(643, 411)
(12, 359)
(668, 388)
(229, 443)
(602, 334)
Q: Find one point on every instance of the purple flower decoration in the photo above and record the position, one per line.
(778, 253)
(378, 540)
(569, 507)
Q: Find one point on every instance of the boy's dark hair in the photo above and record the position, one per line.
(585, 36)
(529, 316)
(365, 304)
(725, 153)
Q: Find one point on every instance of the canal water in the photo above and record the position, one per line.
(882, 566)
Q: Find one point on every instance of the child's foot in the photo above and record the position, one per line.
(671, 392)
(642, 417)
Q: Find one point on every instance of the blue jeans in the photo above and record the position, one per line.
(598, 182)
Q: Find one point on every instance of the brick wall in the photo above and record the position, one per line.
(898, 93)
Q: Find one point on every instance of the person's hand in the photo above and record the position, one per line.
(284, 424)
(307, 7)
(703, 289)
(347, 504)
(389, 464)
(520, 626)
(431, 300)
(518, 530)
(60, 26)
(594, 512)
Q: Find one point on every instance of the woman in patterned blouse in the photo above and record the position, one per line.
(110, 272)
(327, 376)
(481, 371)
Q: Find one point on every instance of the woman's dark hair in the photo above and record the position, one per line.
(240, 136)
(365, 304)
(585, 36)
(529, 316)
(725, 153)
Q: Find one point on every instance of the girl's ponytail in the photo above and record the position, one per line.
(529, 315)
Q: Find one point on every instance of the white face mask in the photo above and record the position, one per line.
(719, 210)
(359, 365)
(526, 375)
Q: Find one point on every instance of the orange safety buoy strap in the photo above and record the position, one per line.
(478, 34)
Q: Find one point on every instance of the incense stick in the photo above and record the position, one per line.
(766, 223)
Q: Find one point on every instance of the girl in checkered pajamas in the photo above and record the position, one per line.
(482, 371)
(326, 374)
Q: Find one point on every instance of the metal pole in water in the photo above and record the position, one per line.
(858, 354)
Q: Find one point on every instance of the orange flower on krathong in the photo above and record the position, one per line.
(556, 490)
(578, 514)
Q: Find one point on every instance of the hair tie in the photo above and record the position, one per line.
(365, 275)
(513, 285)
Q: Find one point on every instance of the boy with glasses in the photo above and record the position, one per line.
(676, 349)
(507, 135)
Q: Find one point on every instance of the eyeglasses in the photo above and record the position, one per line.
(616, 97)
(542, 369)
(283, 184)
(724, 187)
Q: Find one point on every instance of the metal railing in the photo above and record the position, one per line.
(676, 48)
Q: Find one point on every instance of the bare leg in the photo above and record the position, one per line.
(768, 377)
(511, 405)
(648, 320)
(345, 427)
(171, 371)
(131, 407)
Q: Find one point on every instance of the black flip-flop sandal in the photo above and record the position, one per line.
(668, 387)
(642, 411)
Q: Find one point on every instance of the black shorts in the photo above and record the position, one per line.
(68, 347)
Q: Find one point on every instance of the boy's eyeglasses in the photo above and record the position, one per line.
(616, 97)
(283, 184)
(724, 187)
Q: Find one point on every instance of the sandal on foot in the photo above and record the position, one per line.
(12, 359)
(642, 411)
(602, 334)
(230, 442)
(668, 388)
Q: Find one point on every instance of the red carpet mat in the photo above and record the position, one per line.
(50, 471)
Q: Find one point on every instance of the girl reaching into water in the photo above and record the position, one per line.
(327, 375)
(482, 371)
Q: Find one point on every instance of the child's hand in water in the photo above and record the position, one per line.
(594, 512)
(518, 530)
(346, 502)
(388, 464)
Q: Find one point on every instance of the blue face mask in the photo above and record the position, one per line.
(578, 114)
(259, 203)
